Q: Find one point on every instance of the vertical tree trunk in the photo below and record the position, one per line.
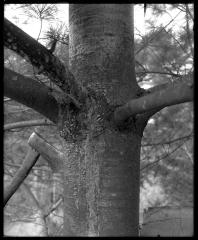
(102, 170)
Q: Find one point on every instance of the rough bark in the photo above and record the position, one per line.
(30, 93)
(102, 171)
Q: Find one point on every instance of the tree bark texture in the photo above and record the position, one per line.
(102, 170)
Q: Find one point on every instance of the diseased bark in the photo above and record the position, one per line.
(50, 153)
(39, 56)
(30, 93)
(174, 94)
(30, 160)
(29, 123)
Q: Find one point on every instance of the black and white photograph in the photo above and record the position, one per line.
(98, 119)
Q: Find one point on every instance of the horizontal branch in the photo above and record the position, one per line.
(30, 93)
(40, 57)
(171, 95)
(22, 173)
(30, 123)
(48, 152)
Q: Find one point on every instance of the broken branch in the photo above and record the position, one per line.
(31, 158)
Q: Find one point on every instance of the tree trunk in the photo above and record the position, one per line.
(102, 169)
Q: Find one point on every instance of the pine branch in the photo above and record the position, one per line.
(153, 102)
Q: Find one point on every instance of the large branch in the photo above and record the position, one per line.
(156, 100)
(30, 93)
(40, 57)
(30, 160)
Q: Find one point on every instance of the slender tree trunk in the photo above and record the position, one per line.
(102, 170)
